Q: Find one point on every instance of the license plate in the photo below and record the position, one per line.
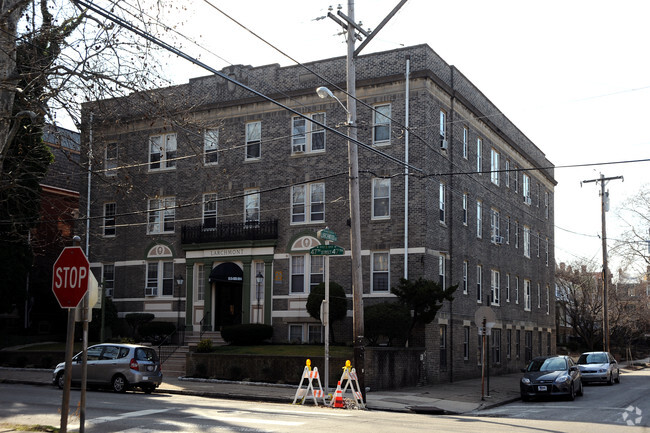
(145, 378)
(541, 388)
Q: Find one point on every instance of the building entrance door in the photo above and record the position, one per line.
(226, 280)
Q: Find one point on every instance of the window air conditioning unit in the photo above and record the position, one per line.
(498, 240)
(151, 291)
(443, 144)
(298, 148)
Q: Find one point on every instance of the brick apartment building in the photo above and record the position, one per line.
(213, 184)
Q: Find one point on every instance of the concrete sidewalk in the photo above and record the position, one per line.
(460, 397)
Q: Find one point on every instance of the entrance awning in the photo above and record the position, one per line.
(227, 273)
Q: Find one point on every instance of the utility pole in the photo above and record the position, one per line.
(604, 207)
(353, 29)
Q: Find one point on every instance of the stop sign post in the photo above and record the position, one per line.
(70, 277)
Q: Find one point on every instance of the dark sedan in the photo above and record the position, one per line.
(547, 376)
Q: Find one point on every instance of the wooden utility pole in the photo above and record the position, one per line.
(604, 200)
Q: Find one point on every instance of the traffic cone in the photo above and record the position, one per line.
(338, 396)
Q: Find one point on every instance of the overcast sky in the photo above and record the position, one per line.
(573, 75)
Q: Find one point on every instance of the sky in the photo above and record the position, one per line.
(572, 75)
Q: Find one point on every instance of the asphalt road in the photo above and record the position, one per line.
(599, 411)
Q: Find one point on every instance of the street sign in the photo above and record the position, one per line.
(327, 235)
(485, 314)
(326, 250)
(70, 277)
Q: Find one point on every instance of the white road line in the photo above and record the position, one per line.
(128, 415)
(248, 420)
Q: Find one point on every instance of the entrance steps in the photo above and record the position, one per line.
(175, 365)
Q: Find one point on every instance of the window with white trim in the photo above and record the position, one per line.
(306, 272)
(516, 290)
(295, 333)
(110, 159)
(253, 140)
(380, 198)
(441, 202)
(465, 205)
(108, 279)
(516, 234)
(380, 272)
(315, 333)
(479, 283)
(109, 219)
(381, 124)
(252, 206)
(479, 157)
(160, 279)
(162, 152)
(526, 188)
(507, 287)
(548, 300)
(199, 293)
(527, 295)
(307, 136)
(527, 242)
(162, 213)
(508, 230)
(546, 251)
(494, 166)
(539, 295)
(507, 168)
(546, 204)
(516, 178)
(495, 227)
(495, 287)
(465, 142)
(443, 127)
(441, 271)
(539, 241)
(210, 146)
(465, 287)
(210, 210)
(479, 221)
(308, 203)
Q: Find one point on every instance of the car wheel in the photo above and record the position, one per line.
(60, 380)
(148, 389)
(618, 377)
(572, 392)
(580, 390)
(119, 383)
(610, 379)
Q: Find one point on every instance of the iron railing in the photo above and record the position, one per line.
(171, 343)
(224, 232)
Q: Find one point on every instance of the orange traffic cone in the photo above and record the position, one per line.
(338, 396)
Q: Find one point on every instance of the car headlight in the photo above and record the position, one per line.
(525, 381)
(602, 370)
(562, 379)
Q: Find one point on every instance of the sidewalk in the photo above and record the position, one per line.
(460, 397)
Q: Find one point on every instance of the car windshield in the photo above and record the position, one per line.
(549, 364)
(146, 354)
(592, 358)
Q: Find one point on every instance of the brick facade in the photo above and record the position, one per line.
(213, 103)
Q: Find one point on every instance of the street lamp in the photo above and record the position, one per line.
(179, 282)
(324, 92)
(259, 278)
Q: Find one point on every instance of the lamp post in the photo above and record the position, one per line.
(259, 278)
(179, 282)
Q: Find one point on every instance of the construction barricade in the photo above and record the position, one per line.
(349, 380)
(310, 376)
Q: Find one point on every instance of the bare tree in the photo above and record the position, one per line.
(634, 245)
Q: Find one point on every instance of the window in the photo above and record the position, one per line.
(465, 204)
(381, 124)
(315, 334)
(507, 167)
(443, 347)
(495, 230)
(162, 152)
(546, 251)
(546, 203)
(108, 279)
(508, 343)
(539, 194)
(441, 271)
(209, 210)
(308, 203)
(516, 178)
(494, 166)
(496, 346)
(200, 282)
(479, 163)
(516, 290)
(298, 274)
(495, 287)
(516, 234)
(441, 201)
(528, 346)
(252, 206)
(295, 333)
(527, 300)
(527, 241)
(300, 279)
(465, 343)
(110, 159)
(443, 130)
(109, 219)
(539, 296)
(526, 188)
(307, 136)
(464, 277)
(518, 343)
(508, 230)
(162, 213)
(253, 140)
(317, 271)
(548, 300)
(479, 222)
(507, 287)
(380, 272)
(160, 279)
(465, 142)
(211, 146)
(479, 281)
(380, 198)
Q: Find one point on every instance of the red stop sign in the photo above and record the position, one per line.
(70, 277)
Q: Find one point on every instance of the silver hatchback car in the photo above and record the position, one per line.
(118, 366)
(599, 367)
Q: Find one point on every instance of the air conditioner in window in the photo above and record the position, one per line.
(443, 144)
(498, 240)
(151, 291)
(527, 200)
(298, 148)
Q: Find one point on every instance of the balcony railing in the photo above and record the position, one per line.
(225, 232)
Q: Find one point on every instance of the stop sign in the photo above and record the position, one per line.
(70, 277)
